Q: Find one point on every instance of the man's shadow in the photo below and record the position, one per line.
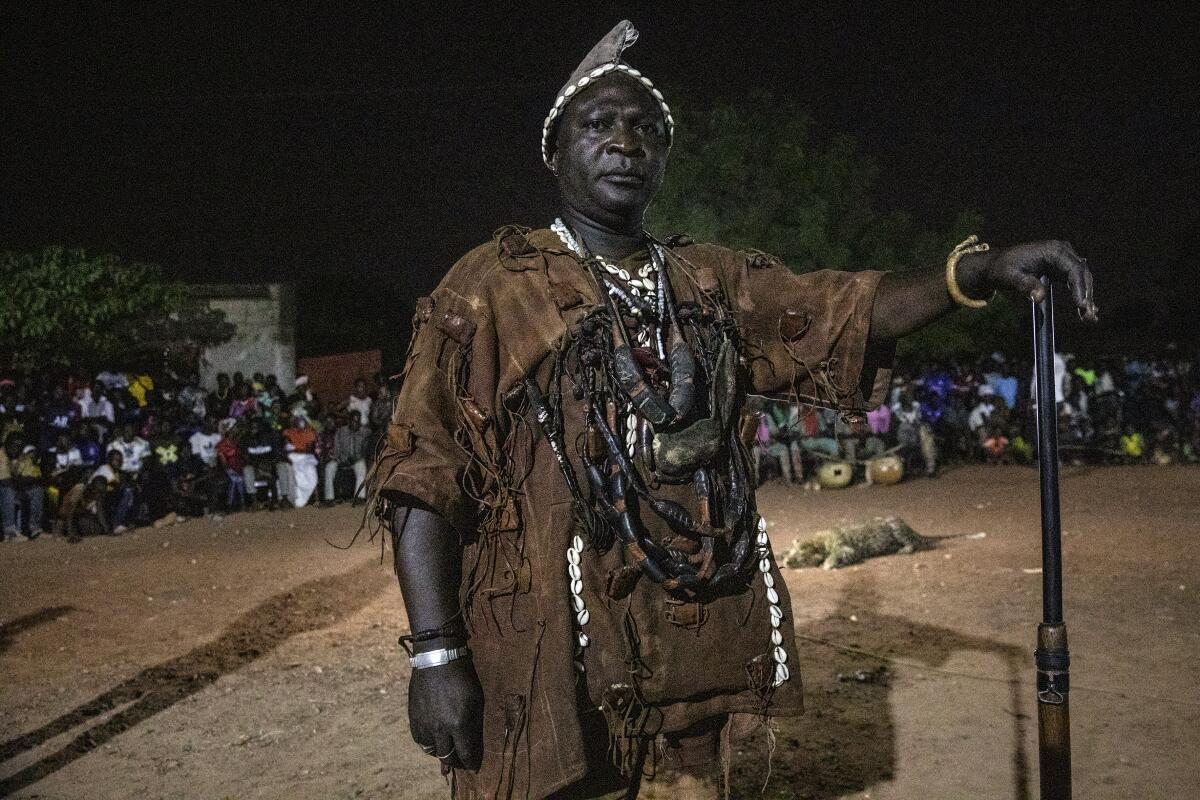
(846, 741)
(305, 608)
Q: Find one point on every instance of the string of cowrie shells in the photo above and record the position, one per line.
(778, 654)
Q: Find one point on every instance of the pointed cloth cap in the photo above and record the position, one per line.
(604, 58)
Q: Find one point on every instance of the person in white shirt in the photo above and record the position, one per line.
(979, 416)
(204, 443)
(132, 447)
(360, 401)
(121, 494)
(1060, 380)
(97, 411)
(66, 455)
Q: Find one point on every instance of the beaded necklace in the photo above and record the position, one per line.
(645, 283)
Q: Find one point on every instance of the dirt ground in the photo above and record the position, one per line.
(248, 658)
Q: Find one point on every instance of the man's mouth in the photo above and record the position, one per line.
(624, 178)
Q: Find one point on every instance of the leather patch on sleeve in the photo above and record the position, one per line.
(516, 252)
(456, 326)
(793, 324)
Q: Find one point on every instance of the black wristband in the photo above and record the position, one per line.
(451, 629)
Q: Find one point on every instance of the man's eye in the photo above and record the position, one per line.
(597, 124)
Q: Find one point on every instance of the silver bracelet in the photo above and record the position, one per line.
(436, 658)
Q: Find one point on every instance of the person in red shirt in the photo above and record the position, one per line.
(233, 461)
(300, 441)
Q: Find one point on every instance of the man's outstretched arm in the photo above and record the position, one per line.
(909, 300)
(445, 703)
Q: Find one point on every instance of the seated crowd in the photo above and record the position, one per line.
(100, 457)
(1109, 411)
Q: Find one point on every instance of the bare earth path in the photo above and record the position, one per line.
(249, 659)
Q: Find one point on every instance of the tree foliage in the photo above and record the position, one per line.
(67, 310)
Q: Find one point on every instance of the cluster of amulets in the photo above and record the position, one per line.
(575, 550)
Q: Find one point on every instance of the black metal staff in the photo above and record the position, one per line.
(1051, 657)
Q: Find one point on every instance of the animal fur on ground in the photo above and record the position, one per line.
(850, 543)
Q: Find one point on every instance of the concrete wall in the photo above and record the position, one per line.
(265, 341)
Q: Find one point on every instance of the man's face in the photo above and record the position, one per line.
(611, 151)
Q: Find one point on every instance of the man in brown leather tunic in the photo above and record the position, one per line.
(591, 591)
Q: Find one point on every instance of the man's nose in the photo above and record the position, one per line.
(624, 141)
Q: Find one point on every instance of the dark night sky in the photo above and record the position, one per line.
(358, 150)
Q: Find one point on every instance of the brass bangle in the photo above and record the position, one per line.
(970, 245)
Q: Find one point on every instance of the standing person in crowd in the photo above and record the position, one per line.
(360, 401)
(21, 489)
(300, 442)
(351, 448)
(231, 459)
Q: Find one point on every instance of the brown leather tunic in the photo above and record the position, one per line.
(463, 440)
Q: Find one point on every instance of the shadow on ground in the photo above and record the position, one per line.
(846, 741)
(14, 628)
(308, 607)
